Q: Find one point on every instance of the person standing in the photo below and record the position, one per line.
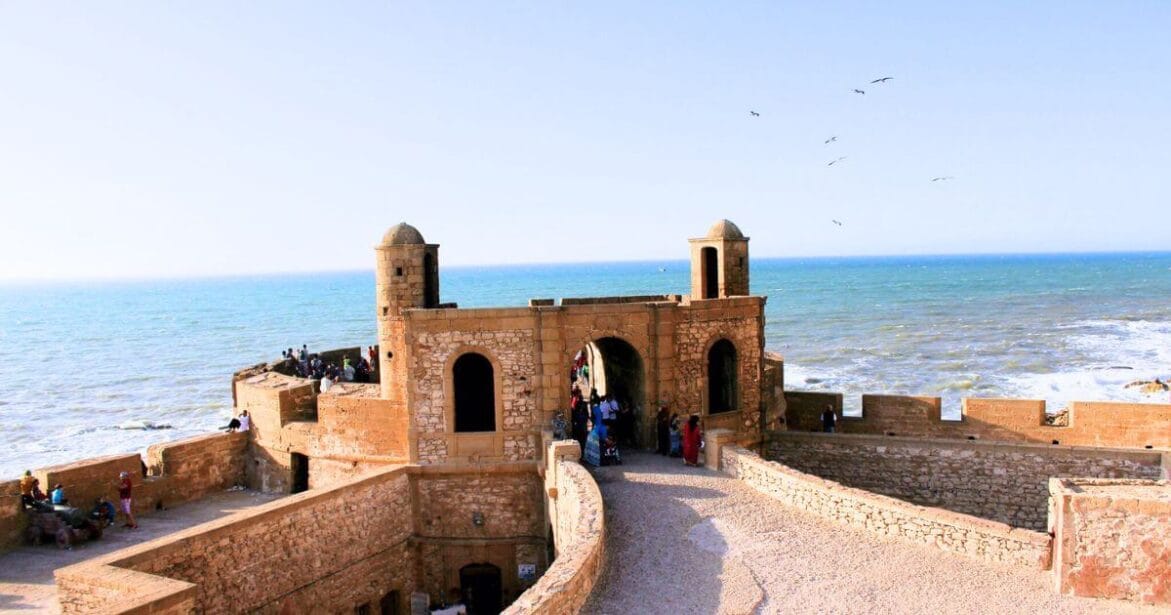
(692, 436)
(829, 420)
(663, 431)
(125, 496)
(26, 488)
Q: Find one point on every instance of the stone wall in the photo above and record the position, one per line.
(1112, 539)
(396, 529)
(178, 472)
(286, 555)
(13, 521)
(946, 530)
(1113, 424)
(576, 512)
(1002, 482)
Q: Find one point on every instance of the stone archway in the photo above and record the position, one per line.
(616, 368)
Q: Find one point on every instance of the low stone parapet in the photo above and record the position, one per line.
(575, 509)
(946, 530)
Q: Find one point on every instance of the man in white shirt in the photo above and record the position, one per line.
(326, 382)
(245, 421)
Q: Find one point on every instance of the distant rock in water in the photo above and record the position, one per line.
(1149, 386)
(1120, 367)
(143, 425)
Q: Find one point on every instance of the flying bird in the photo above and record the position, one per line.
(754, 114)
(830, 140)
(857, 91)
(942, 179)
(833, 162)
(882, 80)
(836, 222)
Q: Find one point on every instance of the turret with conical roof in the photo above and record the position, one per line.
(719, 263)
(406, 276)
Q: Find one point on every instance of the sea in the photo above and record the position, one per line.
(97, 368)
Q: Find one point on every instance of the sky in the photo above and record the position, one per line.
(169, 139)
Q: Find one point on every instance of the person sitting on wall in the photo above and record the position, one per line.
(103, 512)
(245, 421)
(232, 425)
(38, 495)
(57, 496)
(326, 382)
(829, 420)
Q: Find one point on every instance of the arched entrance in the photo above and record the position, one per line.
(613, 367)
(481, 589)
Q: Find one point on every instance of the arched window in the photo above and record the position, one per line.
(721, 377)
(475, 393)
(710, 273)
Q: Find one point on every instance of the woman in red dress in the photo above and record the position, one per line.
(692, 436)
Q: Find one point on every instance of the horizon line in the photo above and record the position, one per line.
(17, 281)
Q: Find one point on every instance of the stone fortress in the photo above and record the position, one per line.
(443, 477)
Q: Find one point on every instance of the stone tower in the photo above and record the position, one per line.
(406, 275)
(719, 263)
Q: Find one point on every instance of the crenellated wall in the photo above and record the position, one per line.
(1112, 539)
(1109, 424)
(1005, 482)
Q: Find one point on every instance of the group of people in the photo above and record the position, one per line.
(310, 365)
(601, 423)
(31, 497)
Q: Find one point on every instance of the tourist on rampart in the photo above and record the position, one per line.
(347, 370)
(245, 421)
(26, 488)
(326, 382)
(372, 356)
(663, 431)
(103, 512)
(829, 420)
(579, 420)
(676, 436)
(303, 354)
(57, 496)
(126, 497)
(692, 437)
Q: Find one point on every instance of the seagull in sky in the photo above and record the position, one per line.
(754, 114)
(942, 179)
(833, 162)
(857, 91)
(882, 80)
(830, 140)
(836, 222)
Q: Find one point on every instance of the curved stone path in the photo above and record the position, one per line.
(690, 540)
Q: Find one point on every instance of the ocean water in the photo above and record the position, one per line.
(84, 366)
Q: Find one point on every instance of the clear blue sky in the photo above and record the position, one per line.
(173, 139)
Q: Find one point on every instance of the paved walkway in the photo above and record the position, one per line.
(689, 540)
(26, 574)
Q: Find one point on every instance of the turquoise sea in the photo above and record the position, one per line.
(84, 366)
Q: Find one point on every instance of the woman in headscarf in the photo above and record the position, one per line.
(692, 436)
(593, 446)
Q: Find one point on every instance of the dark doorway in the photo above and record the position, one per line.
(475, 393)
(721, 377)
(481, 589)
(389, 603)
(711, 273)
(300, 469)
(430, 282)
(616, 369)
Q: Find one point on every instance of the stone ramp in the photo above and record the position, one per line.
(26, 573)
(690, 540)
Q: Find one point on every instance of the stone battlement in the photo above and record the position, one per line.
(1109, 424)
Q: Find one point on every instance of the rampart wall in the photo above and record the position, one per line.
(1109, 424)
(946, 530)
(1112, 539)
(172, 473)
(1005, 482)
(574, 505)
(397, 530)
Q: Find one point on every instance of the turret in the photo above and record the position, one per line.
(719, 263)
(406, 276)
